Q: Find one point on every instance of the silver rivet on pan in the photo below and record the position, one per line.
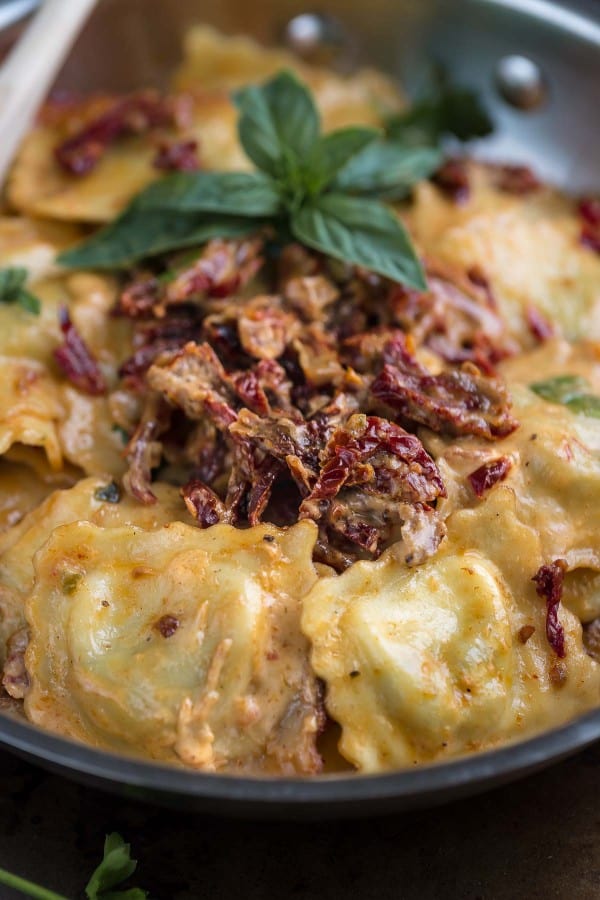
(520, 82)
(315, 36)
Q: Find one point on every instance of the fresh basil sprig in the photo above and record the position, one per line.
(13, 290)
(323, 190)
(116, 866)
(444, 109)
(571, 391)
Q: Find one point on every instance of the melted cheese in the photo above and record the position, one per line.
(30, 407)
(527, 246)
(33, 244)
(23, 487)
(38, 407)
(553, 487)
(88, 435)
(229, 687)
(214, 62)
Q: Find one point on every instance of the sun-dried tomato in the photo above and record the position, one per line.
(453, 179)
(177, 156)
(489, 474)
(76, 359)
(549, 585)
(81, 152)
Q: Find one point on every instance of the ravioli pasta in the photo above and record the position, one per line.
(251, 495)
(220, 677)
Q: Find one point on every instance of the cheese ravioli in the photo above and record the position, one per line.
(527, 246)
(86, 501)
(178, 644)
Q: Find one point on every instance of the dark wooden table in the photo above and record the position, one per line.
(538, 838)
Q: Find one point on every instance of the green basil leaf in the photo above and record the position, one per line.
(363, 232)
(278, 121)
(115, 867)
(333, 151)
(570, 391)
(231, 193)
(138, 234)
(28, 302)
(387, 169)
(12, 280)
(446, 110)
(586, 404)
(13, 291)
(560, 389)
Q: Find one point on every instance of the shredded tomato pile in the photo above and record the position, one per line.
(280, 385)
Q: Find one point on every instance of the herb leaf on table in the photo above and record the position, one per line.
(116, 866)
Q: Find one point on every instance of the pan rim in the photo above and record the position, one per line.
(141, 775)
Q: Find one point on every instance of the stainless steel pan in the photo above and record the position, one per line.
(133, 42)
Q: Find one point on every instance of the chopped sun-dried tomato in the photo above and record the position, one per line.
(76, 360)
(303, 399)
(177, 156)
(589, 213)
(453, 179)
(489, 474)
(549, 585)
(81, 152)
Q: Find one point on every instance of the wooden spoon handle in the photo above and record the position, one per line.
(31, 67)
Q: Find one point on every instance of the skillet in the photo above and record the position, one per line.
(537, 65)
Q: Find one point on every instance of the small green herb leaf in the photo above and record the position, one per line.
(138, 234)
(29, 302)
(279, 123)
(362, 232)
(13, 291)
(387, 169)
(571, 391)
(70, 582)
(335, 150)
(116, 866)
(239, 194)
(586, 404)
(12, 280)
(446, 109)
(560, 389)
